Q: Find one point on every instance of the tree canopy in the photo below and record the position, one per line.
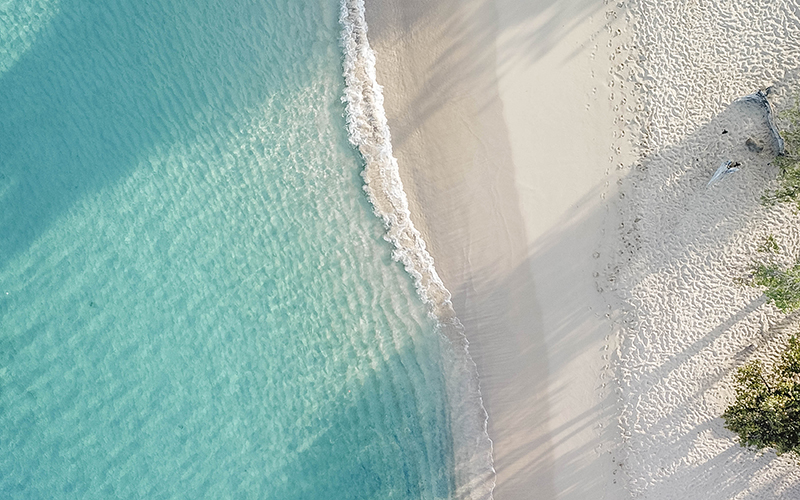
(766, 412)
(789, 162)
(782, 285)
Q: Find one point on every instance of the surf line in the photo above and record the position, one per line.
(368, 130)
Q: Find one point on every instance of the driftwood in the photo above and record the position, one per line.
(727, 167)
(761, 98)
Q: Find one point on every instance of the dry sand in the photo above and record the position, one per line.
(595, 278)
(502, 124)
(686, 324)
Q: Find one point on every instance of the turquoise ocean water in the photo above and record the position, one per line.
(196, 300)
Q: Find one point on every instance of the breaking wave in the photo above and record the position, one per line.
(369, 132)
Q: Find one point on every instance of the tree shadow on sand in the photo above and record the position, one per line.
(672, 239)
(464, 64)
(686, 324)
(92, 97)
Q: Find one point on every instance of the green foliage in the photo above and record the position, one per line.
(789, 163)
(766, 412)
(782, 285)
(769, 245)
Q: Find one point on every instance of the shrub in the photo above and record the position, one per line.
(789, 162)
(769, 245)
(782, 285)
(766, 412)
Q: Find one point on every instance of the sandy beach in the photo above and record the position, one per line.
(503, 125)
(555, 157)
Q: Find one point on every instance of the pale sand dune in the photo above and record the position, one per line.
(605, 321)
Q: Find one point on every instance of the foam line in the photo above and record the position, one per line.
(369, 132)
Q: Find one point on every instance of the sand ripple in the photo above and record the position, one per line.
(686, 325)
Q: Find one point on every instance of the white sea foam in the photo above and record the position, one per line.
(368, 130)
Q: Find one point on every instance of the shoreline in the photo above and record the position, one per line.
(556, 160)
(473, 469)
(499, 162)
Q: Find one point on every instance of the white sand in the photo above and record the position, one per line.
(689, 324)
(502, 126)
(604, 320)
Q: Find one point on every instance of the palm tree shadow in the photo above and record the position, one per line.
(688, 239)
(464, 64)
(92, 97)
(360, 449)
(574, 322)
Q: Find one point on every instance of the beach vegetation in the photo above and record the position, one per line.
(769, 245)
(781, 284)
(766, 411)
(788, 190)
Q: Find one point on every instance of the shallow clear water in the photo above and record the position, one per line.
(196, 300)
